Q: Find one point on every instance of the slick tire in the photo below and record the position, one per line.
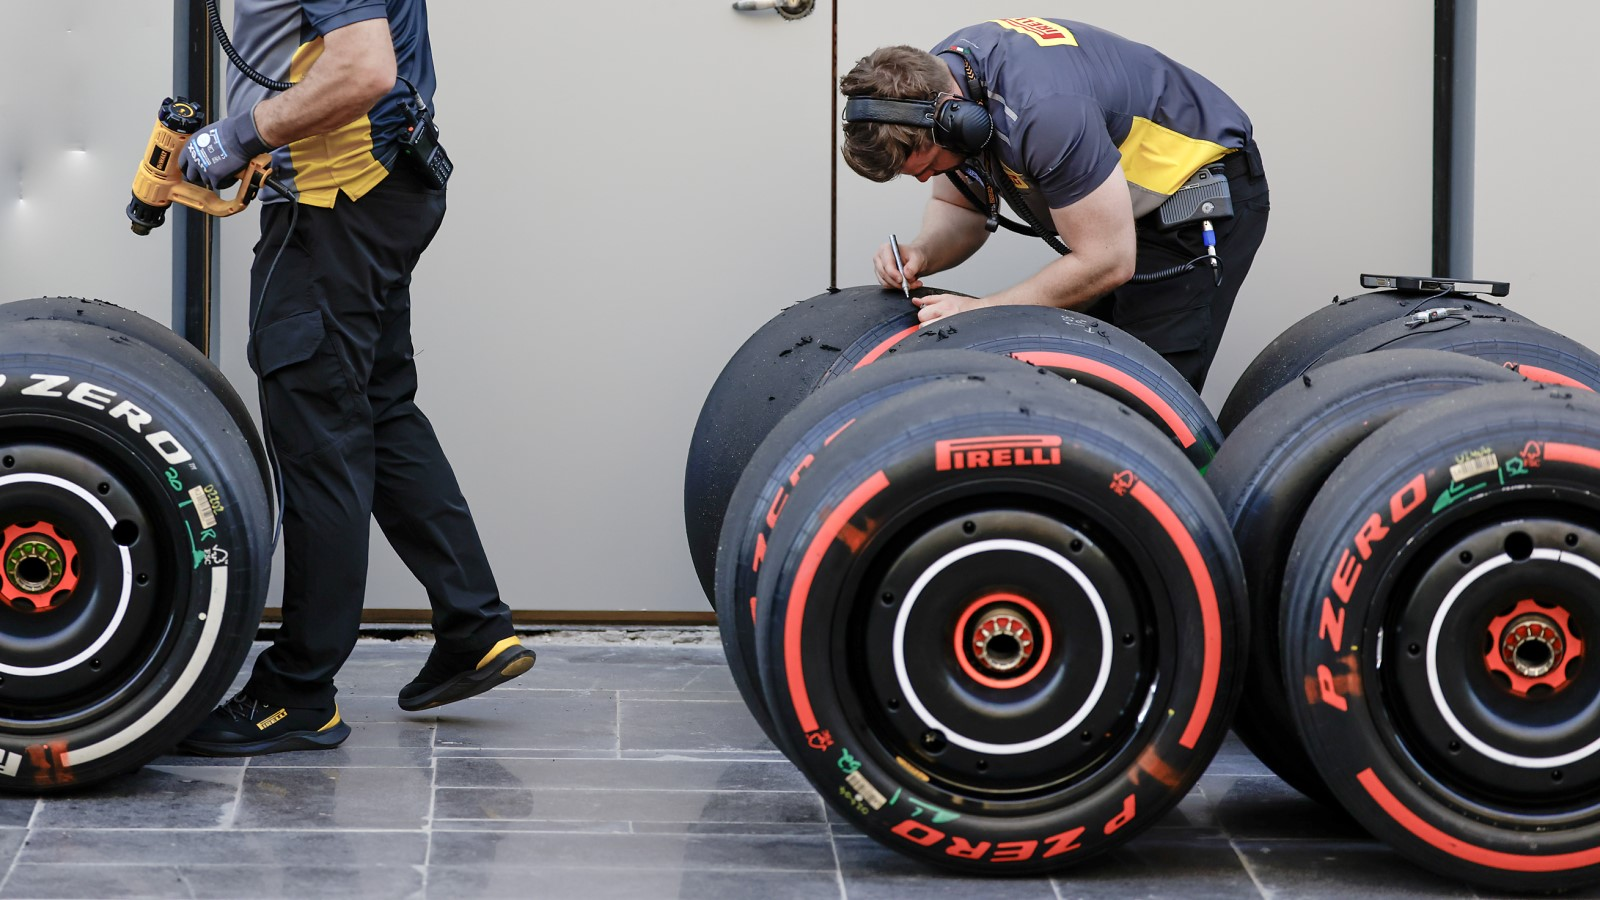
(1075, 346)
(1537, 353)
(134, 550)
(1305, 342)
(771, 373)
(1267, 474)
(783, 459)
(960, 648)
(1443, 592)
(127, 322)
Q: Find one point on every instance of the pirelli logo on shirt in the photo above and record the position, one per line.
(1045, 34)
(1017, 180)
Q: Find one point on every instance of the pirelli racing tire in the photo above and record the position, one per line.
(1305, 342)
(771, 373)
(1267, 474)
(132, 324)
(783, 459)
(134, 549)
(1005, 624)
(1533, 351)
(1073, 345)
(1443, 594)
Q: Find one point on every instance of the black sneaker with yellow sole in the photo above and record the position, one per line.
(448, 677)
(244, 726)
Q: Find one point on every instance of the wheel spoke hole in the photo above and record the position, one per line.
(1519, 546)
(125, 533)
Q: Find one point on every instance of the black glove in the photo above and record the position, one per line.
(221, 149)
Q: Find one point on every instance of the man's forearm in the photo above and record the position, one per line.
(1069, 282)
(355, 70)
(950, 234)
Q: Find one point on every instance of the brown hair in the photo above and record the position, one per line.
(877, 150)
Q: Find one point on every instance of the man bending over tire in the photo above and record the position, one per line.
(1085, 134)
(331, 343)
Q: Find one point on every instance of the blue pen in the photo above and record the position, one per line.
(894, 244)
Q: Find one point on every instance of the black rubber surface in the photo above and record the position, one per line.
(136, 456)
(1534, 351)
(126, 321)
(1474, 505)
(1305, 342)
(783, 459)
(1073, 345)
(769, 375)
(900, 489)
(1267, 474)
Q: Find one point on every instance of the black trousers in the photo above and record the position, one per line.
(1183, 318)
(332, 347)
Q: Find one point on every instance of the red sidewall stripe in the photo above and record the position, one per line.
(795, 615)
(1210, 617)
(1483, 856)
(1572, 453)
(1547, 376)
(1121, 379)
(883, 348)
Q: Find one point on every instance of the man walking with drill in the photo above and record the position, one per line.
(331, 343)
(1086, 135)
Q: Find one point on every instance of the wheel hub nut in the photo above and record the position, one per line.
(1532, 645)
(1003, 640)
(36, 568)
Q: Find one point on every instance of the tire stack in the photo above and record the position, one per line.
(1424, 568)
(968, 577)
(135, 539)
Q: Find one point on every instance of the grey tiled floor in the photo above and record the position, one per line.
(618, 767)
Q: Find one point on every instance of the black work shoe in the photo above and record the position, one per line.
(448, 677)
(244, 726)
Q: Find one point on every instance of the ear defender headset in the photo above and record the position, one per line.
(958, 123)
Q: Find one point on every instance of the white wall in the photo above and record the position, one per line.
(641, 185)
(1536, 194)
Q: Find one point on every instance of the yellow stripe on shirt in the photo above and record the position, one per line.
(1160, 159)
(341, 159)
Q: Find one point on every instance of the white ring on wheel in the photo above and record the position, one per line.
(1472, 740)
(127, 576)
(1048, 555)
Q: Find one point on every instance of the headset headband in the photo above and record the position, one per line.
(915, 113)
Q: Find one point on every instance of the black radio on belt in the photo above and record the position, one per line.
(419, 145)
(1205, 196)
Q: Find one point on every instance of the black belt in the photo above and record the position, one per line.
(1243, 163)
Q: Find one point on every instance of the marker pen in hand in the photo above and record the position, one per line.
(894, 244)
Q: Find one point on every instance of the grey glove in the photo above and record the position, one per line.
(221, 149)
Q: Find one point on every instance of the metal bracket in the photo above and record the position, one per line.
(789, 9)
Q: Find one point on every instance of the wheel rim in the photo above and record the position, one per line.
(108, 614)
(1489, 694)
(972, 665)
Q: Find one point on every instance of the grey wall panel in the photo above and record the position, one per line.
(641, 185)
(638, 187)
(1536, 197)
(86, 80)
